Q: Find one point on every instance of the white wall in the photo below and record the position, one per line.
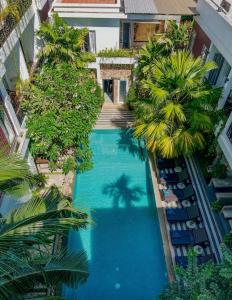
(107, 30)
(217, 26)
(225, 143)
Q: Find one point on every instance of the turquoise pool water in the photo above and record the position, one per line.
(124, 247)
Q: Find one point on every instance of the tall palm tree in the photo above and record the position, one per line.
(28, 266)
(63, 43)
(178, 107)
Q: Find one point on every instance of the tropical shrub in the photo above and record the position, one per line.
(14, 173)
(29, 266)
(205, 282)
(174, 105)
(216, 206)
(63, 43)
(117, 53)
(219, 170)
(178, 36)
(62, 105)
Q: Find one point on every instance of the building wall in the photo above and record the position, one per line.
(217, 26)
(201, 42)
(107, 31)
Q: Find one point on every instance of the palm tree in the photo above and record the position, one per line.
(149, 53)
(28, 266)
(14, 172)
(178, 36)
(178, 107)
(63, 43)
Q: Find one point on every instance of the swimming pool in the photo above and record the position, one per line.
(124, 247)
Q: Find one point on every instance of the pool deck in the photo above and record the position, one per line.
(162, 219)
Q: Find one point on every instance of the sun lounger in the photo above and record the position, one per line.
(183, 260)
(165, 163)
(188, 237)
(187, 192)
(182, 214)
(174, 177)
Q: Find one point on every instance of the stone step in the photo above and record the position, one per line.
(114, 117)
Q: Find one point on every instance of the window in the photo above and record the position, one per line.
(125, 35)
(214, 74)
(122, 91)
(225, 5)
(5, 126)
(229, 133)
(204, 53)
(144, 31)
(90, 43)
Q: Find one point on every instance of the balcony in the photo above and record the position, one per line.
(215, 19)
(9, 22)
(225, 141)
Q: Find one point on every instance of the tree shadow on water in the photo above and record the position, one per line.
(121, 192)
(127, 142)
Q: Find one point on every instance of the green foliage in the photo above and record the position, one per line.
(63, 43)
(27, 263)
(38, 180)
(228, 240)
(14, 174)
(174, 106)
(117, 53)
(62, 106)
(219, 170)
(206, 282)
(178, 37)
(69, 164)
(216, 206)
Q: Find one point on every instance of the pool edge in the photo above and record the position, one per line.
(162, 219)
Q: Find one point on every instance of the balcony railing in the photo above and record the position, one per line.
(229, 133)
(222, 6)
(8, 23)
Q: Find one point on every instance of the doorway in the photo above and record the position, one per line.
(108, 90)
(122, 91)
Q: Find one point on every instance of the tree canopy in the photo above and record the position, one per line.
(206, 282)
(62, 104)
(174, 105)
(63, 43)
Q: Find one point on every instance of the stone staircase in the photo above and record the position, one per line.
(113, 116)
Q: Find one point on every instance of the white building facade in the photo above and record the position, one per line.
(18, 55)
(213, 40)
(115, 24)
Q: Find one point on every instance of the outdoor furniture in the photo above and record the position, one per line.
(174, 177)
(187, 192)
(182, 214)
(178, 169)
(191, 224)
(198, 249)
(186, 203)
(165, 163)
(180, 185)
(202, 259)
(188, 237)
(169, 196)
